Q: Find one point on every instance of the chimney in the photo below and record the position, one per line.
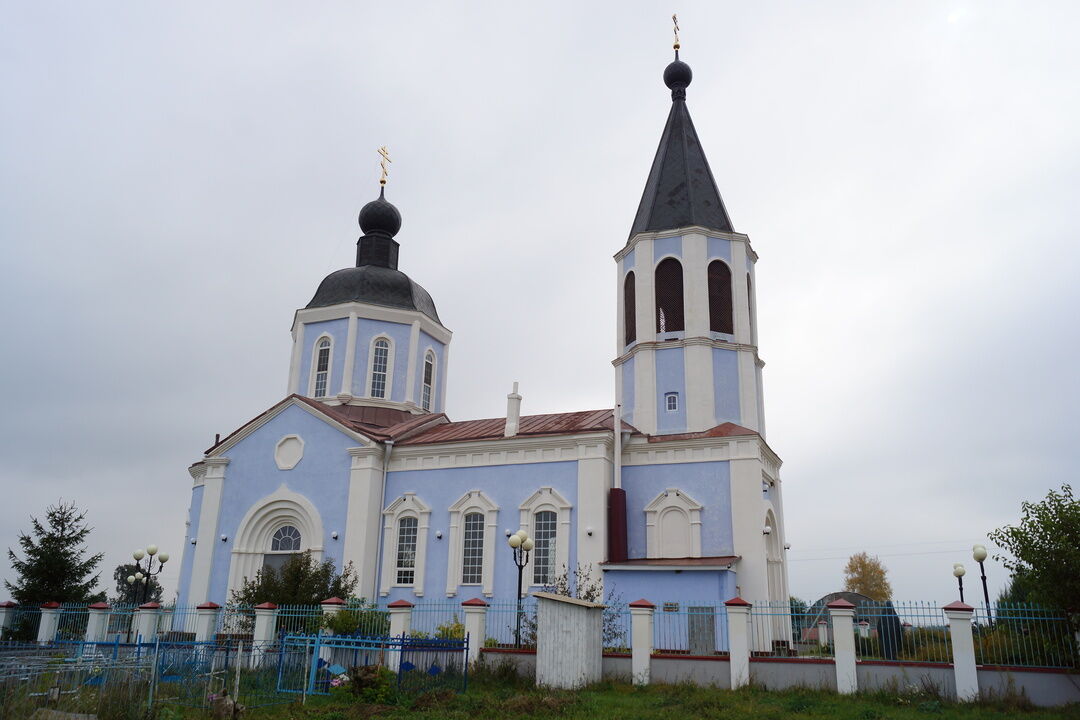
(513, 413)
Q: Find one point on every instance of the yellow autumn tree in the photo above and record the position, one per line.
(866, 575)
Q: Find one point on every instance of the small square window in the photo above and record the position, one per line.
(671, 402)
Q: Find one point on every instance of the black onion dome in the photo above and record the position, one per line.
(380, 216)
(376, 285)
(678, 75)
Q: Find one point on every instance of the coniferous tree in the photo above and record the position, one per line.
(54, 565)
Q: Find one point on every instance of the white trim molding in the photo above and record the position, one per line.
(408, 505)
(373, 312)
(672, 506)
(473, 501)
(288, 452)
(263, 519)
(547, 498)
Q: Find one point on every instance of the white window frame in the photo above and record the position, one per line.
(315, 365)
(408, 505)
(672, 503)
(547, 498)
(389, 367)
(470, 502)
(668, 397)
(429, 353)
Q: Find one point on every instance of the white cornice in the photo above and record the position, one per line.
(688, 230)
(258, 422)
(372, 312)
(502, 451)
(668, 568)
(696, 340)
(639, 451)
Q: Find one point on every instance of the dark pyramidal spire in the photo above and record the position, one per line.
(680, 190)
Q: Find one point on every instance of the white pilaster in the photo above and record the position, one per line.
(213, 486)
(97, 622)
(963, 647)
(294, 363)
(700, 397)
(361, 542)
(641, 641)
(738, 620)
(50, 622)
(410, 372)
(695, 285)
(747, 527)
(644, 290)
(748, 397)
(350, 358)
(843, 630)
(645, 390)
(738, 287)
(206, 620)
(594, 480)
(475, 626)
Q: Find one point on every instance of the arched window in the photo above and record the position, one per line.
(629, 309)
(428, 390)
(673, 525)
(721, 318)
(472, 559)
(545, 525)
(750, 305)
(380, 358)
(283, 545)
(322, 368)
(406, 550)
(669, 296)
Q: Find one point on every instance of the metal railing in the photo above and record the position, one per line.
(781, 629)
(1022, 635)
(690, 628)
(902, 631)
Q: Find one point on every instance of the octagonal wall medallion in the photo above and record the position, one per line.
(288, 452)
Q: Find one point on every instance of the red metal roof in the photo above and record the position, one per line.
(529, 425)
(722, 430)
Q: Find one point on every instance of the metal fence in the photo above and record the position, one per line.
(23, 625)
(690, 628)
(902, 631)
(71, 621)
(502, 624)
(236, 621)
(299, 619)
(1022, 635)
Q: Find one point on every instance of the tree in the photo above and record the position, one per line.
(133, 594)
(800, 616)
(866, 575)
(300, 581)
(1045, 551)
(54, 565)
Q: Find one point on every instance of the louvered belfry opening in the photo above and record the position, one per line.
(721, 317)
(669, 297)
(630, 309)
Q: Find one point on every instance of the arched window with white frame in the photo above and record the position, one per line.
(381, 372)
(427, 393)
(474, 520)
(673, 525)
(320, 367)
(545, 516)
(274, 528)
(284, 544)
(405, 535)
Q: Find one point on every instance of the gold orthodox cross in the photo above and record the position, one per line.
(382, 164)
(675, 20)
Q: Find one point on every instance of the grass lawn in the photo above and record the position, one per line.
(502, 698)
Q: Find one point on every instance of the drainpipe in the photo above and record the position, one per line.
(388, 446)
(617, 544)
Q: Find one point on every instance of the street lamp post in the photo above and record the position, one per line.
(521, 545)
(144, 577)
(978, 553)
(959, 571)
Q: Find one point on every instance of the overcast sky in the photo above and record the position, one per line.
(176, 179)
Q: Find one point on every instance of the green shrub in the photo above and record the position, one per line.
(451, 630)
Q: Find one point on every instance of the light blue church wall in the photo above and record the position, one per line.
(339, 331)
(719, 248)
(366, 330)
(670, 377)
(709, 483)
(726, 385)
(667, 246)
(659, 586)
(508, 486)
(322, 476)
(426, 341)
(627, 371)
(189, 550)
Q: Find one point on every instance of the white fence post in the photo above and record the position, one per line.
(400, 624)
(843, 631)
(963, 649)
(475, 626)
(265, 630)
(330, 607)
(146, 622)
(738, 621)
(641, 640)
(97, 622)
(50, 622)
(822, 632)
(7, 614)
(206, 620)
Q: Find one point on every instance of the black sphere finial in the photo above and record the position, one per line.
(677, 76)
(380, 216)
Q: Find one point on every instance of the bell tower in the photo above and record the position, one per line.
(686, 352)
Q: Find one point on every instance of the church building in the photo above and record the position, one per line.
(361, 463)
